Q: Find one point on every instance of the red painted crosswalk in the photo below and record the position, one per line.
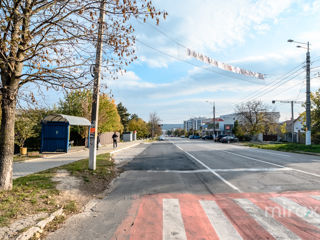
(291, 215)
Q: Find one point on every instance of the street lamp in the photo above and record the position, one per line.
(308, 104)
(214, 118)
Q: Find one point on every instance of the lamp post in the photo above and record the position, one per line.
(308, 103)
(214, 118)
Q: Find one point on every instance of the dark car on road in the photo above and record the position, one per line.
(229, 139)
(194, 137)
(207, 137)
(219, 137)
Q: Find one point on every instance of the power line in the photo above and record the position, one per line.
(303, 84)
(274, 87)
(276, 81)
(163, 33)
(195, 65)
(175, 41)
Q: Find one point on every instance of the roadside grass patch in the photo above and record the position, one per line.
(287, 147)
(31, 194)
(104, 166)
(37, 193)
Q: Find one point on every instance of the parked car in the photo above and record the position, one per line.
(161, 138)
(219, 137)
(194, 137)
(229, 139)
(207, 137)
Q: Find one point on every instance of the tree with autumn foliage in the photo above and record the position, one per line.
(78, 103)
(139, 125)
(50, 43)
(109, 118)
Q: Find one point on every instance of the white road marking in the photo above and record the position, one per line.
(276, 229)
(279, 154)
(224, 170)
(274, 164)
(180, 171)
(305, 213)
(212, 171)
(219, 221)
(173, 227)
(316, 197)
(253, 169)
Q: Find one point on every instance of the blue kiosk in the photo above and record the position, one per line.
(55, 132)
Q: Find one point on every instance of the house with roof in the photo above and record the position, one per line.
(299, 130)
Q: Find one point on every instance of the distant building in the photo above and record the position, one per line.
(194, 123)
(299, 129)
(224, 123)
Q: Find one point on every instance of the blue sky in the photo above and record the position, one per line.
(245, 33)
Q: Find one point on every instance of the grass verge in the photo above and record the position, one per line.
(287, 147)
(37, 192)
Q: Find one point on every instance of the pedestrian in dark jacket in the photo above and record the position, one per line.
(98, 141)
(115, 140)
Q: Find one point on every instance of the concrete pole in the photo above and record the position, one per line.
(292, 122)
(308, 103)
(96, 90)
(214, 120)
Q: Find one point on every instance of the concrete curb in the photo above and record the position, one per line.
(38, 228)
(68, 153)
(49, 157)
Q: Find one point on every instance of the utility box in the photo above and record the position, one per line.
(127, 136)
(134, 136)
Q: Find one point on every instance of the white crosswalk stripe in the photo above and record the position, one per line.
(219, 221)
(305, 213)
(276, 229)
(316, 197)
(173, 227)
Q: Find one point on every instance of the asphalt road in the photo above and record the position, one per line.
(194, 189)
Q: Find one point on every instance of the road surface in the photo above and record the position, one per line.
(193, 189)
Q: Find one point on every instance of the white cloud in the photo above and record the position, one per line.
(215, 24)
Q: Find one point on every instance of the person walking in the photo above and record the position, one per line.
(115, 140)
(98, 141)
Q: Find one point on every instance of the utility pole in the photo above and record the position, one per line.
(96, 90)
(308, 104)
(214, 120)
(292, 113)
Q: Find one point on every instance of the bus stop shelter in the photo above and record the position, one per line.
(55, 131)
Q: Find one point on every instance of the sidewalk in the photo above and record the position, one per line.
(21, 169)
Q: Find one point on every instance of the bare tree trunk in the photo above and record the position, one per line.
(8, 107)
